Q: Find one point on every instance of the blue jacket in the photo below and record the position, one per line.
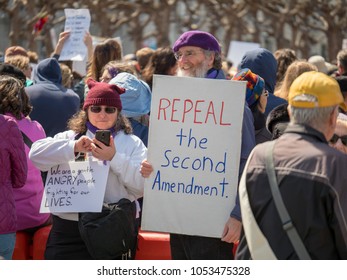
(262, 62)
(53, 104)
(248, 140)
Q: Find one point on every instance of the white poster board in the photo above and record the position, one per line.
(194, 146)
(77, 22)
(237, 50)
(75, 187)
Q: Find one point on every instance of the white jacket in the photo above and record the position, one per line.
(124, 178)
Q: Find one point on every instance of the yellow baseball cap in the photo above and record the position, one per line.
(324, 88)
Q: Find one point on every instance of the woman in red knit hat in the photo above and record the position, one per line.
(126, 155)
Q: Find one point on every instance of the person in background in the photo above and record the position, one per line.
(342, 81)
(13, 71)
(277, 121)
(311, 176)
(198, 55)
(341, 59)
(256, 98)
(33, 61)
(284, 58)
(263, 63)
(14, 103)
(113, 68)
(339, 139)
(136, 103)
(18, 56)
(319, 62)
(78, 83)
(53, 104)
(108, 50)
(294, 70)
(13, 174)
(143, 55)
(162, 62)
(66, 76)
(126, 155)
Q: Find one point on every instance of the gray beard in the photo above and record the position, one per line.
(200, 71)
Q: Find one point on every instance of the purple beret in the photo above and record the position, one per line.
(199, 39)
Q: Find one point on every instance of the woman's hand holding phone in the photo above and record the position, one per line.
(103, 147)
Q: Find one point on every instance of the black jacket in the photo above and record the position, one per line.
(312, 179)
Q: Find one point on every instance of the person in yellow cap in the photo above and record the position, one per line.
(310, 175)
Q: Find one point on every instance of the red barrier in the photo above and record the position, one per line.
(23, 246)
(39, 242)
(153, 246)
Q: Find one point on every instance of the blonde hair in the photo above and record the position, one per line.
(294, 70)
(20, 61)
(66, 75)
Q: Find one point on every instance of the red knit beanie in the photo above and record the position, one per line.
(103, 94)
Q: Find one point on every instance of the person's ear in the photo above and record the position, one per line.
(333, 117)
(210, 59)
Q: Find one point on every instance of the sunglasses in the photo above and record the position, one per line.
(335, 138)
(107, 110)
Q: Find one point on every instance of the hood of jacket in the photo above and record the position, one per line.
(263, 63)
(136, 101)
(48, 70)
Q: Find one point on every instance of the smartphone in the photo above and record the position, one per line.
(103, 136)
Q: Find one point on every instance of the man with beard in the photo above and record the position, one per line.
(198, 55)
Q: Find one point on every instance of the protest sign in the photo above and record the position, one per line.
(237, 50)
(194, 147)
(77, 22)
(75, 187)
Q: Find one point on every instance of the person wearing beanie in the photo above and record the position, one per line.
(311, 178)
(198, 55)
(126, 154)
(53, 104)
(256, 98)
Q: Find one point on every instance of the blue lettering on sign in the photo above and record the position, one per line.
(190, 187)
(204, 164)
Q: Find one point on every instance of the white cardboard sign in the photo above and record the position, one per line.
(237, 49)
(194, 147)
(75, 187)
(77, 22)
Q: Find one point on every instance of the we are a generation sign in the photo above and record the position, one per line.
(194, 147)
(75, 187)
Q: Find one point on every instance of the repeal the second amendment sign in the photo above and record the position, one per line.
(194, 147)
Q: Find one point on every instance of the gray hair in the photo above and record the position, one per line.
(316, 117)
(217, 62)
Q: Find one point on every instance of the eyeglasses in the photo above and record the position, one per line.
(335, 138)
(107, 110)
(188, 54)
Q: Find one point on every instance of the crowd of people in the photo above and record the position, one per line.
(50, 114)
